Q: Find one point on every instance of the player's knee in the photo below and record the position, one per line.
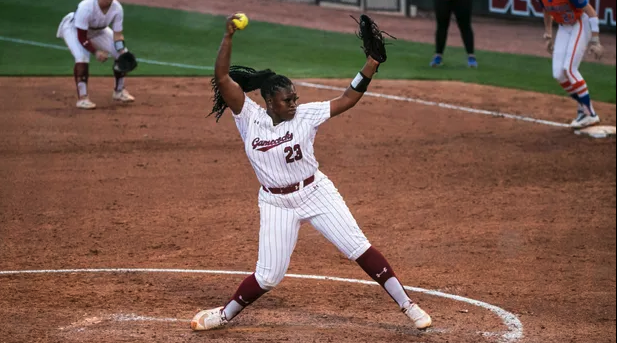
(362, 248)
(268, 282)
(574, 76)
(560, 75)
(82, 59)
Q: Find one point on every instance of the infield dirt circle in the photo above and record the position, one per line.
(515, 214)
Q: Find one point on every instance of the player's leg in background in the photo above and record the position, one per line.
(562, 40)
(81, 67)
(278, 234)
(443, 13)
(327, 212)
(105, 41)
(575, 53)
(462, 11)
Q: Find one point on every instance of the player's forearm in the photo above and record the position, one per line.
(368, 71)
(370, 67)
(548, 24)
(118, 36)
(119, 42)
(223, 59)
(356, 90)
(593, 20)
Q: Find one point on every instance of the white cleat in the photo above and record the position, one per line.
(417, 315)
(85, 104)
(123, 96)
(584, 120)
(208, 320)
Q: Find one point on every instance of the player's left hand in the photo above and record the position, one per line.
(596, 48)
(373, 41)
(125, 63)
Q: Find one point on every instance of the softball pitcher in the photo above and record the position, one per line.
(579, 30)
(278, 141)
(86, 31)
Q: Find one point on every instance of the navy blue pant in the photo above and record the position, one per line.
(443, 13)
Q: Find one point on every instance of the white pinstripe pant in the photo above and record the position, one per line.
(281, 215)
(102, 40)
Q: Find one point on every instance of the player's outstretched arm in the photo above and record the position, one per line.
(119, 42)
(356, 89)
(548, 25)
(595, 47)
(548, 32)
(594, 21)
(230, 90)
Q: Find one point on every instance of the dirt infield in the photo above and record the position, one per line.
(511, 213)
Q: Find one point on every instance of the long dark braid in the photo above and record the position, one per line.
(249, 80)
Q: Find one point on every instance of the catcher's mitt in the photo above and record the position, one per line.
(125, 62)
(373, 42)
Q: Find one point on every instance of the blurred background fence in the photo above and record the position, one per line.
(505, 9)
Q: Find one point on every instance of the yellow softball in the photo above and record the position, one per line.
(241, 22)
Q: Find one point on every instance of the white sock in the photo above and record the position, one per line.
(232, 309)
(82, 89)
(119, 84)
(396, 291)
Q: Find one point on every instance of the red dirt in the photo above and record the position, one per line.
(515, 214)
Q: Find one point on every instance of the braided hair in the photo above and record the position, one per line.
(249, 80)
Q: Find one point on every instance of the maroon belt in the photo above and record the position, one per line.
(291, 188)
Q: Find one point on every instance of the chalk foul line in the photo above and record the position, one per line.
(511, 321)
(319, 86)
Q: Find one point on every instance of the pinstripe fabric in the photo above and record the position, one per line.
(283, 155)
(320, 204)
(277, 239)
(329, 214)
(267, 145)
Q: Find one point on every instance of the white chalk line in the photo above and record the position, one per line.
(319, 86)
(131, 317)
(511, 321)
(442, 105)
(143, 60)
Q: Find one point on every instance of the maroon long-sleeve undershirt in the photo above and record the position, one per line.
(82, 35)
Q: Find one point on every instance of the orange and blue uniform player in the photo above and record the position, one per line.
(579, 31)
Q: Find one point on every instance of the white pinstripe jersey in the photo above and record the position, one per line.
(281, 155)
(90, 17)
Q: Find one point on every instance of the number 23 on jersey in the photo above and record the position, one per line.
(293, 154)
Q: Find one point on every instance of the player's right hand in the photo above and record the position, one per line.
(102, 56)
(231, 27)
(596, 48)
(550, 45)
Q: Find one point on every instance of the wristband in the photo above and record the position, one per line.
(360, 83)
(595, 24)
(119, 45)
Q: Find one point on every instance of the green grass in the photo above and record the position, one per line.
(193, 38)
